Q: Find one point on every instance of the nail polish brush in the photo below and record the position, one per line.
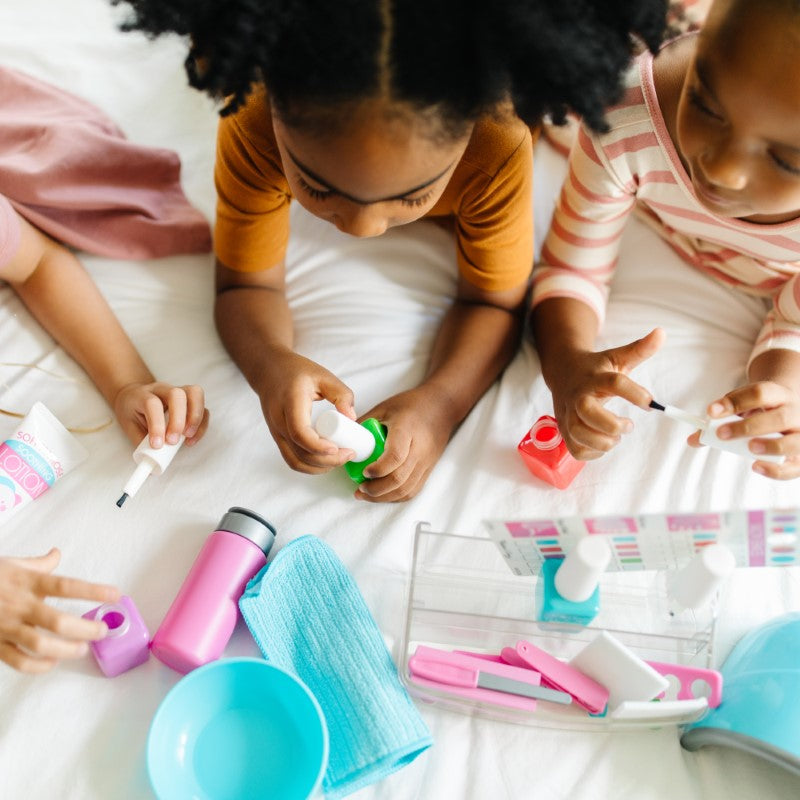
(149, 461)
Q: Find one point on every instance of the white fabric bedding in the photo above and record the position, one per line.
(368, 310)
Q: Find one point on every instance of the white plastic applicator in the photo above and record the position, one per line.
(150, 462)
(708, 433)
(345, 433)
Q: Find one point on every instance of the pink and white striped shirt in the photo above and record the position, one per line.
(634, 166)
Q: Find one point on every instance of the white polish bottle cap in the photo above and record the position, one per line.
(345, 433)
(577, 577)
(696, 584)
(150, 462)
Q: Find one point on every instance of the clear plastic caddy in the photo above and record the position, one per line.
(463, 596)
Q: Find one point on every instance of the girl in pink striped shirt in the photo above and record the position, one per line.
(706, 146)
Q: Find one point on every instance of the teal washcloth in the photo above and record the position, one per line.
(308, 617)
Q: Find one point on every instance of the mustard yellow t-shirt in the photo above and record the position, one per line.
(488, 198)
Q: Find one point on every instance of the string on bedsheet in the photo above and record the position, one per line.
(74, 429)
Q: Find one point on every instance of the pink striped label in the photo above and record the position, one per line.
(23, 474)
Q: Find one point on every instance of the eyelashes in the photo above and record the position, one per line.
(316, 194)
(324, 194)
(697, 102)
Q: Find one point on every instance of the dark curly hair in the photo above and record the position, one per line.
(454, 60)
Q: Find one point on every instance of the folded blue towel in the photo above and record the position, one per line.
(308, 617)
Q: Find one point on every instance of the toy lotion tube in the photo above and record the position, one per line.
(202, 617)
(34, 458)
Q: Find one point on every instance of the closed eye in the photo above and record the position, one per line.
(311, 191)
(700, 105)
(784, 165)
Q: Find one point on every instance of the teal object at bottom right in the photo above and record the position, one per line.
(760, 709)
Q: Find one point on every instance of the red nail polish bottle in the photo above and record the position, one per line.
(546, 454)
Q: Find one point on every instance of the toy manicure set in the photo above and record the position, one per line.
(570, 637)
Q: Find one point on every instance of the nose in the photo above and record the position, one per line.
(724, 164)
(361, 221)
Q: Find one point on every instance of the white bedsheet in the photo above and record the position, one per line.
(368, 310)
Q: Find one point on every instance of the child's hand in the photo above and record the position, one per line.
(33, 635)
(143, 407)
(766, 407)
(292, 385)
(419, 428)
(586, 381)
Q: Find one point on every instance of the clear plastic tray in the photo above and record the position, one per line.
(463, 596)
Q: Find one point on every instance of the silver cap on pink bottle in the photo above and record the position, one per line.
(250, 525)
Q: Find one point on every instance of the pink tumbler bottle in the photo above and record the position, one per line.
(202, 617)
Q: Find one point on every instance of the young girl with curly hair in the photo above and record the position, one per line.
(373, 114)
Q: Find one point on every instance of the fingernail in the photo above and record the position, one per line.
(759, 469)
(716, 408)
(190, 431)
(82, 649)
(627, 426)
(757, 447)
(172, 438)
(156, 441)
(724, 432)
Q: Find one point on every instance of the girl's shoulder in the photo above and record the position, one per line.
(496, 140)
(252, 122)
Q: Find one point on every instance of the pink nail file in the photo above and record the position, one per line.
(585, 691)
(461, 675)
(687, 676)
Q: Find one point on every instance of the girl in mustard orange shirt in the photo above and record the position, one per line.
(373, 114)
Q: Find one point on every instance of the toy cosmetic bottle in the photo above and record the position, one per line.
(365, 439)
(202, 617)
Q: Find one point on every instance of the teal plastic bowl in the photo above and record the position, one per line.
(760, 709)
(237, 729)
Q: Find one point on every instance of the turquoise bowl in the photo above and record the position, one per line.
(237, 729)
(760, 709)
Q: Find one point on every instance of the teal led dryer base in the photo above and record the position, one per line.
(760, 709)
(355, 469)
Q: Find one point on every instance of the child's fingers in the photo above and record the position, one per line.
(196, 413)
(75, 588)
(775, 420)
(23, 662)
(764, 394)
(311, 463)
(46, 563)
(67, 626)
(394, 456)
(629, 356)
(177, 403)
(789, 470)
(44, 645)
(155, 419)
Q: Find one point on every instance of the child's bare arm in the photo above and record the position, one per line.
(255, 324)
(62, 296)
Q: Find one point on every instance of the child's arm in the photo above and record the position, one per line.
(34, 636)
(570, 287)
(60, 294)
(255, 324)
